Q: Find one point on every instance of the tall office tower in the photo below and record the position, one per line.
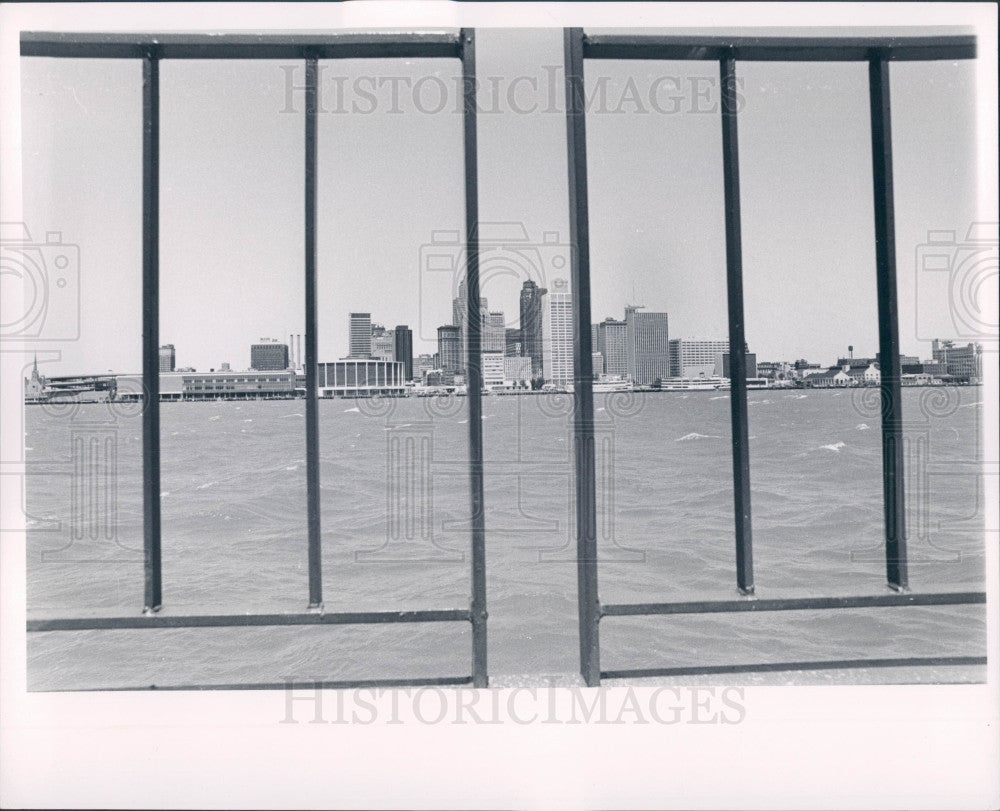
(531, 326)
(383, 343)
(268, 355)
(494, 333)
(647, 345)
(695, 358)
(612, 343)
(458, 308)
(557, 335)
(359, 335)
(168, 358)
(449, 347)
(404, 349)
(512, 343)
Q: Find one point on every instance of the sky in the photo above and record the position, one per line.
(390, 192)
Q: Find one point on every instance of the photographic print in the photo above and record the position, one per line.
(367, 362)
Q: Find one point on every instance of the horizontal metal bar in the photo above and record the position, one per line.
(780, 49)
(777, 667)
(431, 681)
(243, 620)
(794, 604)
(239, 46)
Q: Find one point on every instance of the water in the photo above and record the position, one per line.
(395, 533)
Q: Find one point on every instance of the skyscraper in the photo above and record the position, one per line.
(458, 308)
(531, 326)
(360, 335)
(557, 335)
(647, 345)
(612, 343)
(494, 333)
(168, 358)
(404, 349)
(383, 343)
(512, 343)
(449, 347)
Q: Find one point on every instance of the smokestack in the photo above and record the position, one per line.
(298, 342)
(291, 351)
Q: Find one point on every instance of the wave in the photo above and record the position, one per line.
(720, 397)
(354, 410)
(835, 447)
(695, 435)
(861, 426)
(296, 414)
(205, 486)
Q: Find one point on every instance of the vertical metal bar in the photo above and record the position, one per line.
(737, 336)
(583, 391)
(152, 570)
(473, 364)
(312, 404)
(888, 326)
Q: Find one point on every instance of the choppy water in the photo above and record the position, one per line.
(395, 536)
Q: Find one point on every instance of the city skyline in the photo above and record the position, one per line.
(232, 243)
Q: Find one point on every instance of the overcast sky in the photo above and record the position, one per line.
(391, 177)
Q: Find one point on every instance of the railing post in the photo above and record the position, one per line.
(152, 570)
(893, 481)
(737, 335)
(583, 391)
(473, 362)
(312, 404)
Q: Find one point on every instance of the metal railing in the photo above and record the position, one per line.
(878, 52)
(152, 49)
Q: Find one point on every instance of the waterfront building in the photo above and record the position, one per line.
(531, 326)
(647, 346)
(962, 362)
(517, 370)
(695, 358)
(557, 335)
(268, 355)
(357, 377)
(492, 365)
(449, 348)
(359, 338)
(168, 358)
(612, 343)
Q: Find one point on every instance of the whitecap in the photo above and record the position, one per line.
(720, 397)
(601, 408)
(216, 417)
(296, 467)
(861, 426)
(835, 447)
(296, 414)
(250, 420)
(354, 410)
(695, 435)
(164, 493)
(28, 449)
(206, 485)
